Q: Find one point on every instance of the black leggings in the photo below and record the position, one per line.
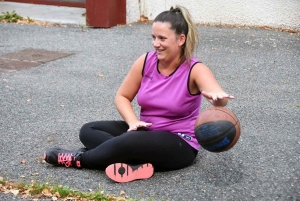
(109, 142)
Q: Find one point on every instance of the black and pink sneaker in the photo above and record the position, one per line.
(122, 172)
(63, 157)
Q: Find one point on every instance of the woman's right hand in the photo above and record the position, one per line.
(138, 124)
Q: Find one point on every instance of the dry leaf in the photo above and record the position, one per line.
(62, 105)
(100, 75)
(50, 139)
(23, 161)
(47, 193)
(54, 198)
(57, 194)
(6, 191)
(15, 192)
(26, 194)
(28, 100)
(122, 193)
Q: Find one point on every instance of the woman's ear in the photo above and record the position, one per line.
(181, 39)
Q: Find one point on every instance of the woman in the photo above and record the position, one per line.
(169, 84)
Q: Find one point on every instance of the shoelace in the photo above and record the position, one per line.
(66, 159)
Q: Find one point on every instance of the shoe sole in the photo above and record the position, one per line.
(122, 172)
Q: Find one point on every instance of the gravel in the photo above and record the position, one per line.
(45, 106)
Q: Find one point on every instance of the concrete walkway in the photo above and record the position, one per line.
(46, 13)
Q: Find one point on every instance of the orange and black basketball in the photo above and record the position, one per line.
(217, 129)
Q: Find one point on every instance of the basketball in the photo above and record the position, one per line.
(217, 129)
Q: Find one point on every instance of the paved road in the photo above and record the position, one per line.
(45, 106)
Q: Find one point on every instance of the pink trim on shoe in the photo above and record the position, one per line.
(121, 172)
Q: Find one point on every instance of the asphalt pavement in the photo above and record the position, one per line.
(45, 106)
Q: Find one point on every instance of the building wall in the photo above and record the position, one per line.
(272, 13)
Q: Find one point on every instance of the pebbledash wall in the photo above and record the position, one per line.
(283, 14)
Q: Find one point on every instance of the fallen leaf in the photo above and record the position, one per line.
(57, 194)
(6, 191)
(25, 196)
(26, 193)
(122, 193)
(47, 193)
(62, 105)
(100, 75)
(50, 139)
(54, 198)
(28, 100)
(23, 161)
(15, 192)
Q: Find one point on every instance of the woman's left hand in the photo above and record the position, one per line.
(215, 97)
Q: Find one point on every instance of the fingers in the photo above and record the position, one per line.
(138, 124)
(216, 96)
(231, 97)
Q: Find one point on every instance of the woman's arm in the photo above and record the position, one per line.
(208, 86)
(128, 91)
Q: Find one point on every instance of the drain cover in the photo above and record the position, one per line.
(28, 58)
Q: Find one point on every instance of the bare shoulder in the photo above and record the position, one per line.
(139, 63)
(133, 79)
(199, 69)
(203, 78)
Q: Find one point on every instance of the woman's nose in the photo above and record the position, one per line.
(155, 43)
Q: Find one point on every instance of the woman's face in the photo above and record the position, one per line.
(165, 41)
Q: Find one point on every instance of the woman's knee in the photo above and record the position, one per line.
(85, 130)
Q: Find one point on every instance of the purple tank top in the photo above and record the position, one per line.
(166, 101)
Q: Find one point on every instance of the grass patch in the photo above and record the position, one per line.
(55, 192)
(10, 17)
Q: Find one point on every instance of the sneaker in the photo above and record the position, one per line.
(63, 157)
(121, 172)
